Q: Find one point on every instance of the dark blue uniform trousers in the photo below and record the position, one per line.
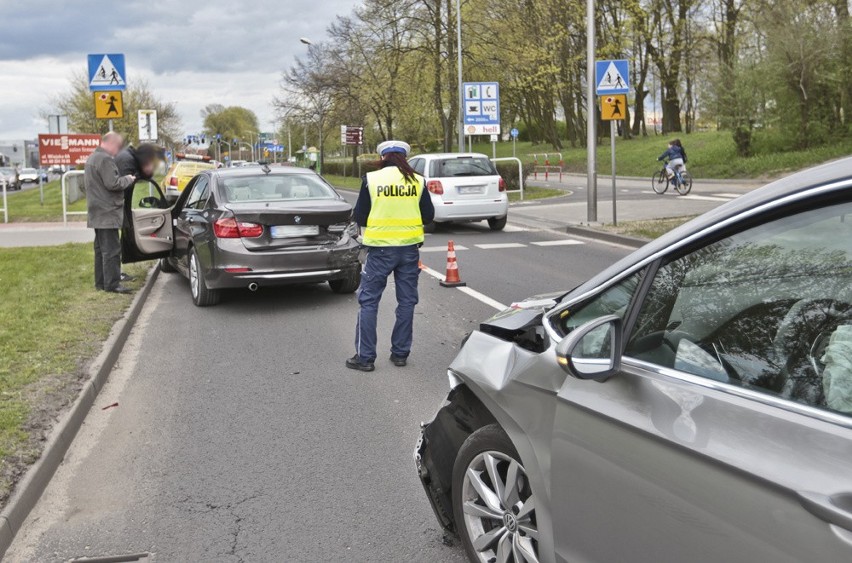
(382, 261)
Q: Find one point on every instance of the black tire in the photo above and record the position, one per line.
(660, 182)
(685, 185)
(498, 223)
(349, 284)
(202, 296)
(166, 266)
(491, 441)
(430, 228)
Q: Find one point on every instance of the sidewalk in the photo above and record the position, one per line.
(43, 234)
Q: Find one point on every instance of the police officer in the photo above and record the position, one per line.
(393, 206)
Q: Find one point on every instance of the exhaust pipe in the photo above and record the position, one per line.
(252, 286)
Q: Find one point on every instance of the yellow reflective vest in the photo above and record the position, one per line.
(395, 218)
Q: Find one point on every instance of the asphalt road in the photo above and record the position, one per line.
(240, 436)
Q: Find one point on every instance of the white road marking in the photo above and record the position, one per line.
(481, 297)
(731, 196)
(500, 245)
(704, 198)
(441, 248)
(514, 229)
(565, 242)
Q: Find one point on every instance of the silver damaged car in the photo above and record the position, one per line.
(693, 402)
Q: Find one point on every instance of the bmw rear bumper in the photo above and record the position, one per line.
(233, 266)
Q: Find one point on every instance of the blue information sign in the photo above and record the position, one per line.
(481, 108)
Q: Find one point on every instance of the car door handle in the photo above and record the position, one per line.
(835, 509)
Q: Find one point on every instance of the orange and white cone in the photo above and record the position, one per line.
(452, 278)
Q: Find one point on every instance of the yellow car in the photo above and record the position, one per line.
(183, 170)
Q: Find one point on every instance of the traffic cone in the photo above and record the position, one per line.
(452, 278)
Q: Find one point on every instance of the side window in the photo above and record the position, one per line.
(198, 196)
(419, 165)
(146, 195)
(613, 301)
(769, 308)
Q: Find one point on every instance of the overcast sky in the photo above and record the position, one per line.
(191, 53)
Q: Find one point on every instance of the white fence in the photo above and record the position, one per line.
(65, 212)
(520, 173)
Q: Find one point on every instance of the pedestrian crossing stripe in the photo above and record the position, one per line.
(565, 242)
(107, 74)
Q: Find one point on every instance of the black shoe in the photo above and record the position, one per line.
(120, 289)
(355, 363)
(127, 277)
(398, 361)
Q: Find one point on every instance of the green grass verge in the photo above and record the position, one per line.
(711, 155)
(26, 206)
(649, 229)
(343, 182)
(52, 321)
(532, 192)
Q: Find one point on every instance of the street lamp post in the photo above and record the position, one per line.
(461, 93)
(591, 137)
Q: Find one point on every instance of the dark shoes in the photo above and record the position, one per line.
(120, 289)
(398, 361)
(355, 363)
(127, 277)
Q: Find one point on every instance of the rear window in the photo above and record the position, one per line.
(462, 166)
(275, 188)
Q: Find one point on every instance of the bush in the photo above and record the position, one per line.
(339, 168)
(509, 172)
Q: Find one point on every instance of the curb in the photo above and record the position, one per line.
(37, 477)
(585, 232)
(722, 181)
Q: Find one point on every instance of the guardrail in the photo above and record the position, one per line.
(65, 212)
(5, 205)
(520, 173)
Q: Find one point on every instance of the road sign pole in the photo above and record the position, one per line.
(612, 132)
(591, 136)
(461, 86)
(40, 188)
(514, 140)
(109, 124)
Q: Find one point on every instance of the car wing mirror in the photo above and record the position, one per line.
(592, 350)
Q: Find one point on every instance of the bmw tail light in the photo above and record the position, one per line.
(228, 227)
(435, 187)
(502, 185)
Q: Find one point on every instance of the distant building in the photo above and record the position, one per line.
(20, 152)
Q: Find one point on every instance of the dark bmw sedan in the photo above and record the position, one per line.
(245, 228)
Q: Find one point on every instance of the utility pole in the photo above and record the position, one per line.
(461, 93)
(591, 117)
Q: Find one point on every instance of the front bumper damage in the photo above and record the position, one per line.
(439, 443)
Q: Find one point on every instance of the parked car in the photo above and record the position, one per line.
(693, 402)
(28, 175)
(246, 228)
(9, 176)
(185, 167)
(464, 188)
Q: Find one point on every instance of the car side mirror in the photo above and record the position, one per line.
(592, 350)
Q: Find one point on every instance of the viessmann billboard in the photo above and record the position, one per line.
(66, 150)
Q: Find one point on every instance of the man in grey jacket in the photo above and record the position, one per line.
(105, 200)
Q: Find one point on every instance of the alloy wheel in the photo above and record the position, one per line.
(193, 275)
(499, 510)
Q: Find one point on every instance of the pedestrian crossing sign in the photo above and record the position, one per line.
(613, 77)
(106, 72)
(613, 108)
(109, 105)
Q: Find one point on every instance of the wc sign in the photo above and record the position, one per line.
(481, 108)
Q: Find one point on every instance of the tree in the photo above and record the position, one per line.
(234, 122)
(78, 104)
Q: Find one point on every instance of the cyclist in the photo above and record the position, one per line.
(676, 156)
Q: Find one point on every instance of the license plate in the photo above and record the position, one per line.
(471, 190)
(294, 231)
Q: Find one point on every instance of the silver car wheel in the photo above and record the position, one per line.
(193, 275)
(499, 510)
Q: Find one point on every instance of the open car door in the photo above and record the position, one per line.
(147, 232)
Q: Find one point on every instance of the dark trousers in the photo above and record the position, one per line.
(382, 261)
(107, 259)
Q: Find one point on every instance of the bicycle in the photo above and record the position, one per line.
(682, 180)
